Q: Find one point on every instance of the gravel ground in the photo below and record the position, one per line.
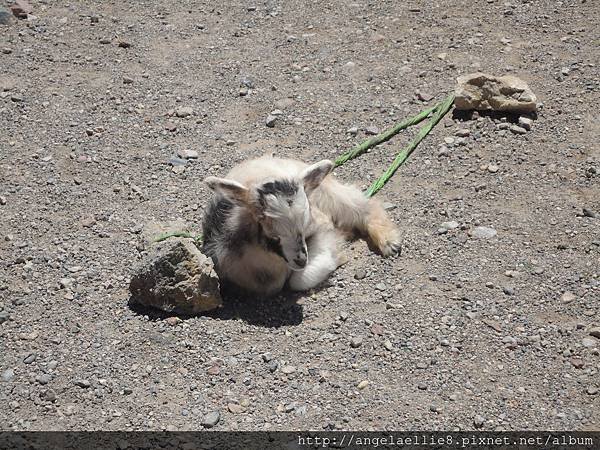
(490, 328)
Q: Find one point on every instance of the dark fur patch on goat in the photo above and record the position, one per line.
(287, 188)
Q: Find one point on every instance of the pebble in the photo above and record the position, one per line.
(443, 151)
(82, 383)
(187, 154)
(449, 140)
(592, 390)
(235, 408)
(463, 132)
(577, 363)
(211, 419)
(452, 225)
(184, 111)
(388, 345)
(6, 51)
(30, 358)
(589, 213)
(49, 395)
(270, 122)
(287, 369)
(344, 316)
(170, 126)
(595, 332)
(17, 98)
(7, 375)
(380, 286)
(517, 129)
(363, 384)
(2, 200)
(360, 274)
(44, 378)
(356, 342)
(478, 421)
(352, 130)
(127, 80)
(568, 297)
(508, 290)
(177, 161)
(525, 122)
(422, 386)
(424, 96)
(372, 130)
(492, 168)
(483, 232)
(589, 342)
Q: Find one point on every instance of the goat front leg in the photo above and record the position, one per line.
(322, 260)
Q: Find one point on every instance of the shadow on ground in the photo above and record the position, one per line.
(275, 312)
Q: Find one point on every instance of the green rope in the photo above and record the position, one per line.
(440, 111)
(382, 137)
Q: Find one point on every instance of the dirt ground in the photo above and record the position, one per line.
(459, 332)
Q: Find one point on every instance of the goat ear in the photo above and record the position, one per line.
(228, 188)
(313, 175)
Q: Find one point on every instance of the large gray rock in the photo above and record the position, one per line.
(176, 277)
(486, 92)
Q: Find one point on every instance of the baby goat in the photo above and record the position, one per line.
(275, 220)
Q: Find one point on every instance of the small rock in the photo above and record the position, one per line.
(184, 111)
(21, 9)
(595, 332)
(577, 363)
(525, 122)
(589, 213)
(7, 51)
(492, 168)
(508, 290)
(388, 345)
(44, 378)
(82, 383)
(6, 18)
(2, 200)
(211, 419)
(352, 130)
(176, 277)
(424, 96)
(482, 91)
(568, 297)
(271, 119)
(372, 130)
(478, 421)
(170, 126)
(356, 342)
(187, 154)
(592, 390)
(452, 225)
(463, 132)
(235, 408)
(422, 386)
(30, 358)
(517, 129)
(363, 384)
(589, 342)
(49, 395)
(287, 369)
(17, 98)
(483, 232)
(360, 273)
(124, 44)
(127, 80)
(449, 140)
(8, 375)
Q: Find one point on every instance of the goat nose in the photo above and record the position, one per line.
(300, 262)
